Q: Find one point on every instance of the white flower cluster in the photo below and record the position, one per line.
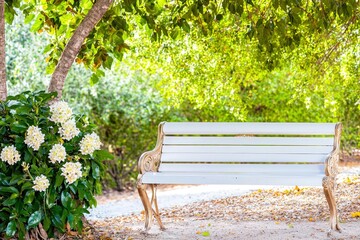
(34, 137)
(57, 153)
(41, 183)
(10, 155)
(68, 130)
(90, 143)
(71, 171)
(60, 112)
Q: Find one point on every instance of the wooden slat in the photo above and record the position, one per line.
(244, 168)
(208, 128)
(248, 149)
(282, 141)
(214, 157)
(245, 179)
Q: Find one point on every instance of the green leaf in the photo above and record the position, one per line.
(66, 199)
(11, 229)
(9, 14)
(79, 225)
(103, 155)
(34, 219)
(108, 63)
(93, 79)
(205, 234)
(175, 33)
(14, 196)
(92, 201)
(59, 179)
(185, 26)
(56, 218)
(2, 226)
(22, 232)
(3, 215)
(29, 196)
(27, 156)
(8, 190)
(19, 207)
(70, 219)
(50, 68)
(18, 128)
(26, 186)
(95, 170)
(29, 18)
(23, 110)
(46, 223)
(98, 187)
(81, 192)
(16, 178)
(100, 73)
(9, 202)
(38, 24)
(66, 19)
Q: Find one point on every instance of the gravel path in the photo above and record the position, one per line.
(233, 212)
(168, 198)
(179, 196)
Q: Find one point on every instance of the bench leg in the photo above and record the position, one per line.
(147, 205)
(149, 211)
(156, 210)
(329, 190)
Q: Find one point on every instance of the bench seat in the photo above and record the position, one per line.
(232, 178)
(287, 154)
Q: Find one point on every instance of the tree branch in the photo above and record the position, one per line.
(73, 47)
(3, 90)
(333, 48)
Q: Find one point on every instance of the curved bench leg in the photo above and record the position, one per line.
(149, 211)
(147, 205)
(156, 210)
(329, 190)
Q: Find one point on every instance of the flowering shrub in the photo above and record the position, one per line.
(50, 166)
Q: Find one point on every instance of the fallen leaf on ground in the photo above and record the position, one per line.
(206, 234)
(355, 214)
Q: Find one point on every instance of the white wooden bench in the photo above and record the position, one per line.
(303, 154)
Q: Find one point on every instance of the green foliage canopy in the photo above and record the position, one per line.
(225, 77)
(274, 25)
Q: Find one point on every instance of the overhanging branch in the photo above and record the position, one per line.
(73, 47)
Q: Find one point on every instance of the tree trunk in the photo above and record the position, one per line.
(3, 91)
(73, 46)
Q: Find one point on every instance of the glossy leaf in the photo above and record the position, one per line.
(34, 219)
(11, 228)
(29, 196)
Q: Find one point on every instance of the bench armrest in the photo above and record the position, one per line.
(150, 161)
(331, 162)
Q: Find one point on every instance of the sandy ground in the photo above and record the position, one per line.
(225, 229)
(271, 214)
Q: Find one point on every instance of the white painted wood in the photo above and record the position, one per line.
(248, 149)
(245, 179)
(208, 128)
(244, 168)
(221, 157)
(282, 141)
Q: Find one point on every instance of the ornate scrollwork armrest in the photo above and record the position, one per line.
(332, 160)
(331, 164)
(150, 161)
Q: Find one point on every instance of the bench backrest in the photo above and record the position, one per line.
(281, 149)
